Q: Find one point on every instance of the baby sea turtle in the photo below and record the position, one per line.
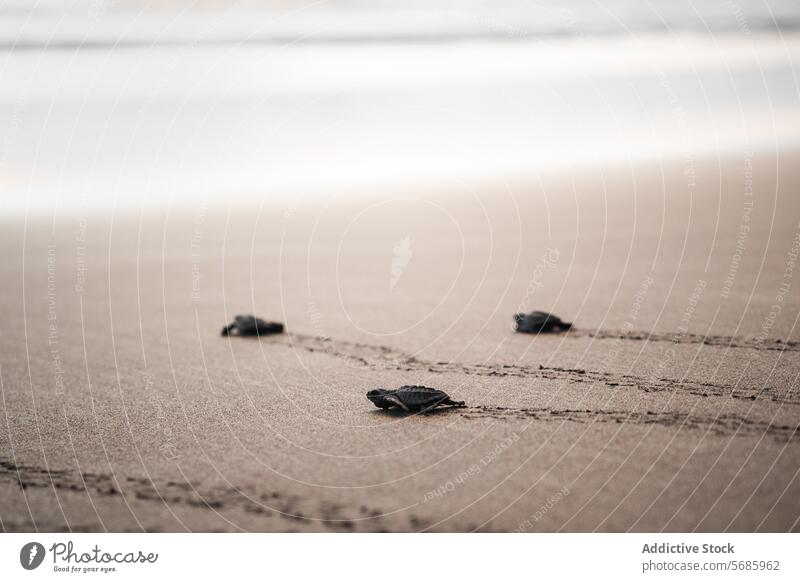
(251, 325)
(411, 398)
(540, 322)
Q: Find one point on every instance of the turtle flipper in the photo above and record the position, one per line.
(228, 329)
(427, 409)
(445, 402)
(397, 402)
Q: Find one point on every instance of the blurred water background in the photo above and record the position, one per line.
(129, 104)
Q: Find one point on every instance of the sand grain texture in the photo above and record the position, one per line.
(665, 409)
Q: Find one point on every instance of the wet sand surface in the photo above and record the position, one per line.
(673, 405)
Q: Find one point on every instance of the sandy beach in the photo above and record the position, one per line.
(672, 406)
(394, 181)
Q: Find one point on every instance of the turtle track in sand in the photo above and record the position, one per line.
(386, 358)
(720, 341)
(724, 425)
(288, 509)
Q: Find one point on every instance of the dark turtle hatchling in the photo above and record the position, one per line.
(411, 398)
(540, 322)
(251, 325)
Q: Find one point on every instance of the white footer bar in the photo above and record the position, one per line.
(389, 557)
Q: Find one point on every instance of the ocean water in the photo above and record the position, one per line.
(26, 23)
(113, 103)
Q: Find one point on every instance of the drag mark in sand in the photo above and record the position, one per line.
(382, 357)
(720, 341)
(724, 425)
(288, 508)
